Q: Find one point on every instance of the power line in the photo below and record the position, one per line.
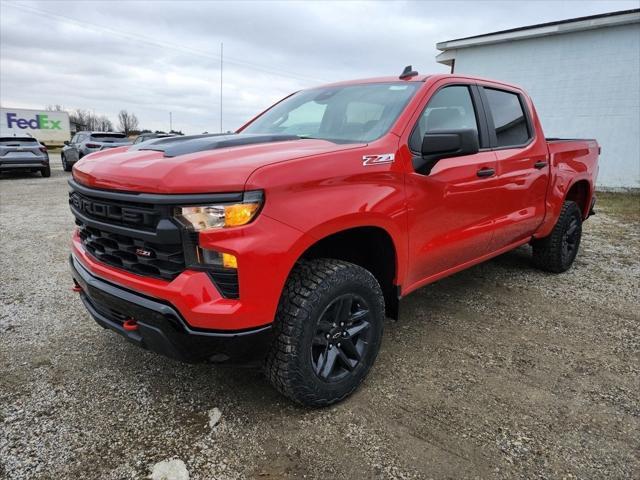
(140, 38)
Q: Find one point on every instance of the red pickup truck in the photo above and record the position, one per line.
(294, 238)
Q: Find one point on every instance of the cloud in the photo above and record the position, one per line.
(153, 58)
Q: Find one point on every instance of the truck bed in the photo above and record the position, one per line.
(555, 139)
(573, 163)
(581, 146)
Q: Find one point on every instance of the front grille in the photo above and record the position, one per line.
(115, 212)
(164, 261)
(136, 232)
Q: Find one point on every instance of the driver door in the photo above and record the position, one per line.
(71, 153)
(452, 208)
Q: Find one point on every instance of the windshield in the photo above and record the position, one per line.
(109, 137)
(343, 114)
(18, 141)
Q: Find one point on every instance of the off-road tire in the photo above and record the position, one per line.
(311, 288)
(65, 166)
(550, 253)
(46, 171)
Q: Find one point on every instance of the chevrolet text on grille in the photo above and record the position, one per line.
(111, 211)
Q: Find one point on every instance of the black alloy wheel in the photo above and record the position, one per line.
(571, 240)
(557, 252)
(327, 331)
(341, 338)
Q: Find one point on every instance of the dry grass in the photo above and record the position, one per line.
(623, 205)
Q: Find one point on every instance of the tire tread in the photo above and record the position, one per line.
(547, 252)
(304, 289)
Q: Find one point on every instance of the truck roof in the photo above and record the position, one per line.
(416, 78)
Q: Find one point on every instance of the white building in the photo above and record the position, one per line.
(583, 75)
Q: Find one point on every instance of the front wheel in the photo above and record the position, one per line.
(557, 252)
(65, 166)
(328, 330)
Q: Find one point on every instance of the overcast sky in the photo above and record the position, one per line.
(152, 58)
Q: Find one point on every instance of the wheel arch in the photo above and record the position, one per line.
(580, 193)
(369, 246)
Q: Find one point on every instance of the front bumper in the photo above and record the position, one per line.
(160, 327)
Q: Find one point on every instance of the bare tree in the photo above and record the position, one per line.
(86, 120)
(127, 122)
(54, 108)
(104, 124)
(82, 118)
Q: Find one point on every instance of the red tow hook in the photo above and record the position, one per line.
(130, 325)
(76, 288)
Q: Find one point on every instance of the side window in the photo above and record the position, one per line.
(509, 118)
(449, 109)
(75, 138)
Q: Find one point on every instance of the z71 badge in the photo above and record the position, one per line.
(368, 160)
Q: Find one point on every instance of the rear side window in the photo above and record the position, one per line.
(449, 109)
(509, 118)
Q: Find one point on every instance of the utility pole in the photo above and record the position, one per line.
(170, 123)
(221, 64)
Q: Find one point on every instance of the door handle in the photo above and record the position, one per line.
(540, 165)
(486, 172)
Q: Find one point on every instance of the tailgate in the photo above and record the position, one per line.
(19, 149)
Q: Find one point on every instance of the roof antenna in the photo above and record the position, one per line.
(408, 72)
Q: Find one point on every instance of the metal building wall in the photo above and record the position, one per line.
(584, 84)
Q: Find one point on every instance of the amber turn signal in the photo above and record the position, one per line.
(239, 214)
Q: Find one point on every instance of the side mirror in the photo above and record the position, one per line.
(444, 144)
(66, 142)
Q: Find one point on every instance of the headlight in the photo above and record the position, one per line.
(206, 217)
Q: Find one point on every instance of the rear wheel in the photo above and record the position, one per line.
(46, 171)
(328, 330)
(557, 252)
(65, 166)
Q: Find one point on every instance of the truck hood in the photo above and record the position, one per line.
(198, 164)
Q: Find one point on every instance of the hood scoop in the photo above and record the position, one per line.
(176, 146)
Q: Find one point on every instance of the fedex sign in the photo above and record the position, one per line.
(40, 122)
(50, 128)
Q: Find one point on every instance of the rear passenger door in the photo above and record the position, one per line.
(522, 165)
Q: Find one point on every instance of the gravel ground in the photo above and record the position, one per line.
(500, 371)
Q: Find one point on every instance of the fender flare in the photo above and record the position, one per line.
(353, 221)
